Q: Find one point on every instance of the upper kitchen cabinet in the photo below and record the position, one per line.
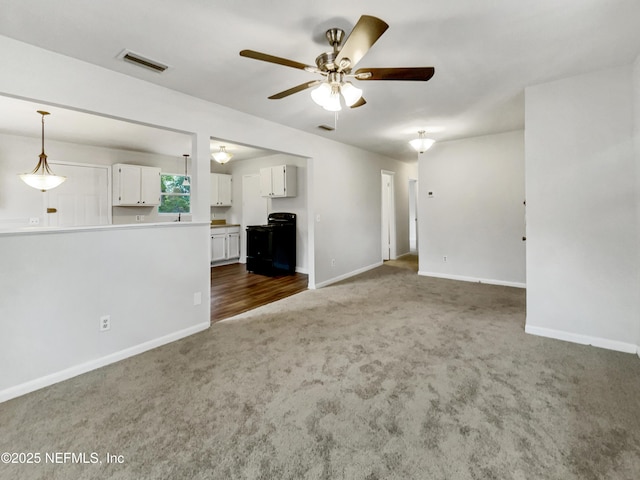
(278, 181)
(220, 190)
(135, 185)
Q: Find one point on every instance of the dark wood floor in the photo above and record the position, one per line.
(234, 290)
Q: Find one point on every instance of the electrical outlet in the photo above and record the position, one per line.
(444, 258)
(34, 221)
(105, 323)
(140, 218)
(333, 262)
(197, 298)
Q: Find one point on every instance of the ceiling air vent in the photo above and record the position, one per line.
(141, 61)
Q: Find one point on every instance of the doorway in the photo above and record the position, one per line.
(388, 240)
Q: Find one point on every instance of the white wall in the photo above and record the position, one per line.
(18, 154)
(345, 192)
(582, 219)
(476, 215)
(55, 287)
(636, 136)
(348, 212)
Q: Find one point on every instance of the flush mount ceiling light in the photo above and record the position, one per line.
(421, 144)
(222, 156)
(42, 177)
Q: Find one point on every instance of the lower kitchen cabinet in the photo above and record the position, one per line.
(225, 243)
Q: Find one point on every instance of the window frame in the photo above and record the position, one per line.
(174, 194)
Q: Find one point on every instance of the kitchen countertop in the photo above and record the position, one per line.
(226, 225)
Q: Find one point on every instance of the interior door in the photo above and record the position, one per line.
(388, 216)
(82, 200)
(413, 215)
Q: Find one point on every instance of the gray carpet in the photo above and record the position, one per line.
(384, 376)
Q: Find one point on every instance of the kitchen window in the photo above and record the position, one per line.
(175, 196)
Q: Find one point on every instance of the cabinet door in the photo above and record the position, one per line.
(233, 243)
(278, 183)
(149, 186)
(129, 181)
(218, 247)
(224, 190)
(214, 189)
(265, 182)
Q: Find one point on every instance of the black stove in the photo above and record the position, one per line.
(271, 248)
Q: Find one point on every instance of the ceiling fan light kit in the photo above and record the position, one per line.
(338, 65)
(42, 178)
(327, 95)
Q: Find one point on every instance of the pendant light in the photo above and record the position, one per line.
(222, 156)
(421, 144)
(186, 182)
(42, 177)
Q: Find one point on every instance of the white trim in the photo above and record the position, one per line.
(582, 339)
(344, 277)
(462, 278)
(97, 228)
(47, 380)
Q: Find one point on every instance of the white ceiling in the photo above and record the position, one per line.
(485, 53)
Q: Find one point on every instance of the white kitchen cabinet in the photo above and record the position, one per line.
(233, 244)
(225, 243)
(218, 247)
(220, 190)
(135, 185)
(278, 181)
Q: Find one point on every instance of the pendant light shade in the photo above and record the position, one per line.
(42, 177)
(422, 144)
(222, 156)
(321, 94)
(350, 93)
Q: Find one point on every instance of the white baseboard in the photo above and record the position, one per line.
(473, 279)
(345, 276)
(582, 339)
(47, 380)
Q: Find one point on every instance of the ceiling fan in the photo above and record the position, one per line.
(337, 66)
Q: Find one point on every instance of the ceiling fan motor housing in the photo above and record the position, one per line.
(335, 37)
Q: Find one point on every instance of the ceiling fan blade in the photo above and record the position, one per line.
(359, 103)
(411, 73)
(271, 59)
(366, 32)
(296, 89)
